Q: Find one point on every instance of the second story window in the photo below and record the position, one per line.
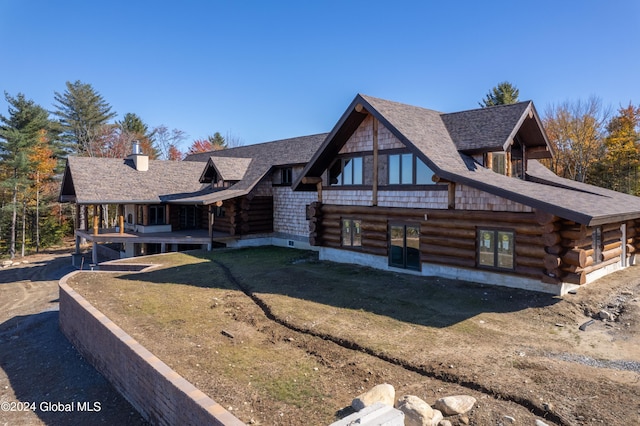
(407, 169)
(347, 171)
(286, 176)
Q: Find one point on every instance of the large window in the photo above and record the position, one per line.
(407, 169)
(347, 171)
(495, 248)
(351, 233)
(156, 215)
(404, 246)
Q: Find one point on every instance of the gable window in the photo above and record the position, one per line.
(347, 171)
(286, 176)
(404, 246)
(351, 233)
(407, 169)
(498, 163)
(156, 215)
(495, 248)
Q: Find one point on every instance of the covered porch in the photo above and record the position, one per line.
(165, 241)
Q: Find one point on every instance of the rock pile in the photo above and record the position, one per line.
(416, 411)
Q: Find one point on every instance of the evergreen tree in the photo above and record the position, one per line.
(19, 133)
(133, 128)
(82, 111)
(217, 141)
(503, 94)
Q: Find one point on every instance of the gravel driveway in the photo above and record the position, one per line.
(43, 380)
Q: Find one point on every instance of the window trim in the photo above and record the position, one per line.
(286, 177)
(596, 244)
(352, 222)
(404, 225)
(342, 161)
(157, 208)
(414, 169)
(496, 231)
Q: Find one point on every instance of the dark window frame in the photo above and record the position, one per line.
(286, 176)
(405, 256)
(414, 169)
(352, 234)
(342, 161)
(495, 231)
(154, 218)
(596, 244)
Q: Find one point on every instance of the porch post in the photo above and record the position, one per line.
(94, 253)
(163, 247)
(96, 220)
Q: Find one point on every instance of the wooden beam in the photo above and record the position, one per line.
(311, 180)
(489, 164)
(319, 189)
(374, 191)
(451, 204)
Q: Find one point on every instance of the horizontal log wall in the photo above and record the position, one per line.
(227, 223)
(570, 252)
(446, 236)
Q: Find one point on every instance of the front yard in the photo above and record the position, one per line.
(278, 337)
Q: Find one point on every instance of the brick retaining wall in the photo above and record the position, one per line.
(161, 395)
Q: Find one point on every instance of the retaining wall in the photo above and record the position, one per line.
(161, 395)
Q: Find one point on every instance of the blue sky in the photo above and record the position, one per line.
(267, 70)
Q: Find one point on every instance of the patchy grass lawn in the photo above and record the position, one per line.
(279, 337)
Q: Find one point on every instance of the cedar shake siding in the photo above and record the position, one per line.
(462, 195)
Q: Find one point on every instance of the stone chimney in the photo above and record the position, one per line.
(140, 161)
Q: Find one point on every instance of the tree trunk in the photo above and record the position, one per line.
(37, 212)
(24, 225)
(14, 218)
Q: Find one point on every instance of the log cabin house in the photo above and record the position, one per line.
(464, 196)
(234, 197)
(393, 186)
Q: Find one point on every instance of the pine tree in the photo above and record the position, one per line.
(503, 94)
(133, 128)
(82, 111)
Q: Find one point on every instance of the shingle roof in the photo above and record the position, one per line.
(110, 180)
(440, 140)
(484, 128)
(263, 157)
(229, 168)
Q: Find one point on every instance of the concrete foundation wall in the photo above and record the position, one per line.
(429, 269)
(160, 394)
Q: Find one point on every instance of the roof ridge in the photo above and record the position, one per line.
(488, 108)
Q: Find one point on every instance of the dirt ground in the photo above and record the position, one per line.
(279, 339)
(39, 369)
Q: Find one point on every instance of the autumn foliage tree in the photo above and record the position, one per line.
(212, 143)
(576, 130)
(618, 169)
